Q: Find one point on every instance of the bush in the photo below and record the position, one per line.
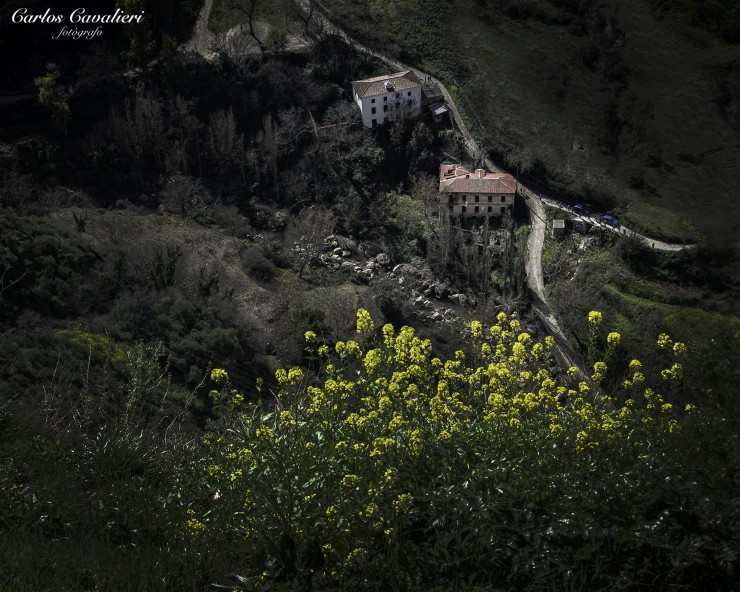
(258, 266)
(396, 469)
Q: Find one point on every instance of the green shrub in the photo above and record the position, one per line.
(396, 469)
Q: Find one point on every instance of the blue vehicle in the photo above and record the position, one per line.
(581, 209)
(612, 221)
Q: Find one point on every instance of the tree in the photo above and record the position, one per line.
(305, 12)
(138, 33)
(53, 98)
(184, 127)
(269, 144)
(138, 128)
(225, 144)
(249, 11)
(306, 233)
(184, 195)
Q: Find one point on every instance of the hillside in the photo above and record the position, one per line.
(240, 346)
(634, 107)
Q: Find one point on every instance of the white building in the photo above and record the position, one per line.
(383, 97)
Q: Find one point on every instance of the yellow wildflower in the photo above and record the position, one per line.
(364, 321)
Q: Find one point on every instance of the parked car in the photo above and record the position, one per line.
(581, 209)
(612, 221)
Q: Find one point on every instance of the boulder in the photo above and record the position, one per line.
(441, 290)
(382, 259)
(458, 299)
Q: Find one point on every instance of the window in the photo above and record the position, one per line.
(464, 208)
(477, 209)
(451, 199)
(373, 110)
(503, 198)
(450, 206)
(385, 99)
(503, 209)
(372, 100)
(408, 94)
(490, 208)
(375, 122)
(465, 198)
(490, 198)
(477, 198)
(385, 108)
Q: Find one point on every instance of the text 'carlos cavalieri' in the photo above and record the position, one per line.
(77, 16)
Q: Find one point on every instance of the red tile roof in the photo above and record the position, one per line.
(455, 179)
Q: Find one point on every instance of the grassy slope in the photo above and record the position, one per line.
(640, 307)
(533, 99)
(273, 12)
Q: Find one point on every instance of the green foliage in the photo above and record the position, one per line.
(162, 265)
(208, 281)
(258, 265)
(54, 271)
(52, 98)
(722, 18)
(395, 469)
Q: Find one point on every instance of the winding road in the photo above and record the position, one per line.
(535, 202)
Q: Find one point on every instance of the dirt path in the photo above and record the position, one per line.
(534, 201)
(537, 210)
(536, 281)
(236, 42)
(202, 41)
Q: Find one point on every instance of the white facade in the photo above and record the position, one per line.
(396, 97)
(377, 109)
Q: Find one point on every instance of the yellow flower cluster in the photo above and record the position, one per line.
(364, 322)
(381, 408)
(194, 526)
